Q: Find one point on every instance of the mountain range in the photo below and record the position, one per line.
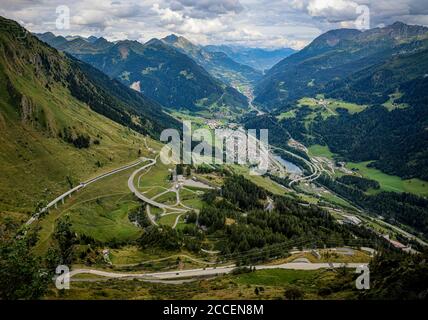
(218, 63)
(347, 60)
(384, 67)
(382, 71)
(156, 69)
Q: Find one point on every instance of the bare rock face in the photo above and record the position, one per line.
(27, 109)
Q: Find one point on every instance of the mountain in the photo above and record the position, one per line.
(384, 81)
(337, 58)
(54, 41)
(219, 64)
(257, 58)
(75, 44)
(369, 96)
(62, 121)
(160, 72)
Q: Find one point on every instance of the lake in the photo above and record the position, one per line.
(290, 166)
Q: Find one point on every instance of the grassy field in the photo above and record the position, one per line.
(158, 176)
(156, 180)
(388, 182)
(181, 224)
(106, 219)
(100, 211)
(351, 107)
(169, 198)
(169, 219)
(152, 191)
(134, 254)
(331, 105)
(332, 198)
(262, 182)
(276, 277)
(320, 151)
(391, 105)
(287, 115)
(195, 202)
(197, 122)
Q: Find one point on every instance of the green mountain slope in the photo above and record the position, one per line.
(383, 81)
(217, 63)
(60, 126)
(160, 72)
(334, 57)
(383, 72)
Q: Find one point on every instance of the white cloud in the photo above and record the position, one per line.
(251, 22)
(178, 22)
(333, 10)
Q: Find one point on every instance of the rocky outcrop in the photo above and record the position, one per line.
(27, 109)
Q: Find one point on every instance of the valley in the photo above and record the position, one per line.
(164, 207)
(83, 184)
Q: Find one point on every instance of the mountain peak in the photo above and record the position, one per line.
(101, 40)
(398, 24)
(47, 34)
(92, 39)
(153, 41)
(178, 41)
(332, 38)
(171, 37)
(396, 31)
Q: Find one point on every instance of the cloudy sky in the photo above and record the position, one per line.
(256, 23)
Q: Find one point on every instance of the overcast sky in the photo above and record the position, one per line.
(256, 23)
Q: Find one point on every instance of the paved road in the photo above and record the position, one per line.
(316, 172)
(212, 271)
(141, 196)
(176, 221)
(81, 186)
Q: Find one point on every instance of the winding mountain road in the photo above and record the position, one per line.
(141, 196)
(211, 271)
(316, 171)
(82, 185)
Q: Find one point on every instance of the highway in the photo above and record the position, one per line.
(82, 185)
(211, 271)
(141, 196)
(316, 171)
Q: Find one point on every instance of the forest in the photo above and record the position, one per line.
(405, 208)
(262, 234)
(396, 141)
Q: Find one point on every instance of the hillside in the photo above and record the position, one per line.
(384, 81)
(219, 64)
(159, 71)
(75, 44)
(336, 56)
(361, 93)
(61, 122)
